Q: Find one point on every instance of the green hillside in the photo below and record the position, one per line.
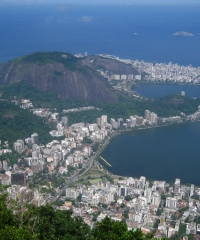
(38, 97)
(126, 106)
(16, 123)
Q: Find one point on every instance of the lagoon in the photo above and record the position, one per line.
(156, 90)
(162, 153)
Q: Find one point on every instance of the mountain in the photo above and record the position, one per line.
(60, 73)
(111, 65)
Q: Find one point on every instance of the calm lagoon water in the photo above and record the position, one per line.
(162, 153)
(156, 90)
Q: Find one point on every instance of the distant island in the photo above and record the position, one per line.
(182, 33)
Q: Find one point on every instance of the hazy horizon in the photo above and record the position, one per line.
(105, 2)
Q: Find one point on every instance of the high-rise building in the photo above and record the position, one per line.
(162, 218)
(137, 206)
(123, 191)
(103, 120)
(120, 122)
(72, 193)
(142, 182)
(191, 190)
(28, 141)
(5, 165)
(156, 198)
(35, 138)
(171, 203)
(18, 145)
(114, 123)
(98, 121)
(148, 194)
(133, 121)
(128, 122)
(18, 178)
(153, 118)
(68, 134)
(177, 185)
(35, 166)
(146, 114)
(64, 121)
(139, 120)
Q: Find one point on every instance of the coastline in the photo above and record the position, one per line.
(164, 83)
(117, 133)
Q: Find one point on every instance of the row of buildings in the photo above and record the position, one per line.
(158, 71)
(145, 199)
(168, 72)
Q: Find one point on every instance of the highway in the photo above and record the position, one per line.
(88, 166)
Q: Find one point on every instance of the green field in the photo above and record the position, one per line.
(93, 172)
(94, 181)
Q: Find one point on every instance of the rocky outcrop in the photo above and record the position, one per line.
(60, 73)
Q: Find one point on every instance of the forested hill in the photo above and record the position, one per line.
(60, 73)
(16, 123)
(24, 90)
(171, 105)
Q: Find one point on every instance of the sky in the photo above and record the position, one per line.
(138, 2)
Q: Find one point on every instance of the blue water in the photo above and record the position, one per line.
(152, 90)
(102, 29)
(159, 153)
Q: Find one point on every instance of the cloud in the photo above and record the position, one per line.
(86, 19)
(63, 7)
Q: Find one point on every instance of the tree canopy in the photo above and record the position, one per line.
(44, 222)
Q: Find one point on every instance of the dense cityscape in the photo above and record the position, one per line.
(161, 72)
(67, 173)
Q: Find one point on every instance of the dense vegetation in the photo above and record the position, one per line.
(126, 106)
(171, 105)
(41, 58)
(45, 223)
(16, 123)
(24, 90)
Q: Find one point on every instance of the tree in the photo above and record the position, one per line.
(128, 198)
(39, 223)
(108, 229)
(125, 214)
(159, 211)
(122, 205)
(87, 140)
(95, 147)
(104, 205)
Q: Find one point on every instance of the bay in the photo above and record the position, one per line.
(163, 153)
(132, 32)
(156, 90)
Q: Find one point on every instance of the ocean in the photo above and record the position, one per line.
(132, 32)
